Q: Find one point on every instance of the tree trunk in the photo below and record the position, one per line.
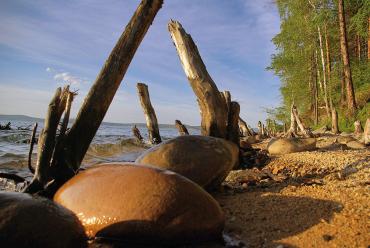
(92, 112)
(306, 132)
(334, 121)
(232, 123)
(351, 101)
(181, 127)
(292, 132)
(227, 98)
(244, 127)
(327, 108)
(150, 117)
(261, 132)
(212, 107)
(358, 46)
(342, 89)
(368, 39)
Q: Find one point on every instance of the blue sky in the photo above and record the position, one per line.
(45, 43)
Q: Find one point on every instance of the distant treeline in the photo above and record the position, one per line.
(322, 58)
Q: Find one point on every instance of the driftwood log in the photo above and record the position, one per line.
(137, 134)
(181, 128)
(292, 132)
(150, 117)
(67, 159)
(212, 107)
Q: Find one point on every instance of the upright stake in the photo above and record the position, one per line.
(334, 121)
(151, 118)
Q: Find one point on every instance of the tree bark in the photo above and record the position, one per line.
(244, 127)
(227, 98)
(368, 39)
(292, 132)
(342, 89)
(233, 123)
(95, 106)
(181, 128)
(306, 132)
(150, 117)
(212, 107)
(351, 101)
(334, 121)
(358, 46)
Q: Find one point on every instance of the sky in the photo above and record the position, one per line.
(45, 44)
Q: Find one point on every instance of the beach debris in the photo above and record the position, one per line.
(181, 127)
(203, 159)
(244, 129)
(290, 145)
(305, 131)
(141, 204)
(137, 134)
(32, 142)
(213, 109)
(150, 116)
(6, 126)
(59, 158)
(28, 221)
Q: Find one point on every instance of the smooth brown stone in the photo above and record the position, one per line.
(290, 145)
(355, 145)
(141, 203)
(203, 159)
(26, 221)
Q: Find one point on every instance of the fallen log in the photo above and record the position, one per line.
(150, 117)
(181, 128)
(212, 107)
(67, 159)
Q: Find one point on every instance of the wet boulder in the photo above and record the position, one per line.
(141, 204)
(203, 159)
(27, 221)
(290, 145)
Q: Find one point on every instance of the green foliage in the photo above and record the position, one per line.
(297, 61)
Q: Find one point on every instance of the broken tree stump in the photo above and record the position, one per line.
(150, 117)
(212, 107)
(292, 132)
(306, 132)
(67, 159)
(232, 124)
(244, 127)
(181, 128)
(358, 128)
(334, 121)
(137, 134)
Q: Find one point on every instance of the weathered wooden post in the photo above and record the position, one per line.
(150, 117)
(334, 121)
(212, 107)
(74, 144)
(181, 128)
(137, 134)
(260, 129)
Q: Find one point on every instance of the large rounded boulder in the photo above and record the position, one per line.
(141, 204)
(290, 145)
(26, 221)
(203, 159)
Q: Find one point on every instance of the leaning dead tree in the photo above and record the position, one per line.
(60, 157)
(244, 127)
(292, 132)
(150, 117)
(305, 131)
(181, 128)
(212, 107)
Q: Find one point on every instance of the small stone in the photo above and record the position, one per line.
(327, 237)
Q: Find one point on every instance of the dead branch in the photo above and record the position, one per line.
(32, 142)
(181, 128)
(212, 107)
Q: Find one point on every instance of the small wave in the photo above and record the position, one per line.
(115, 149)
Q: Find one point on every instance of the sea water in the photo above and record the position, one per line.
(113, 142)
